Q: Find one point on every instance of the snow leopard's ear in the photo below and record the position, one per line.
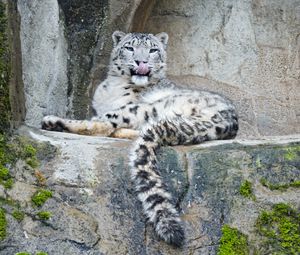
(163, 38)
(117, 37)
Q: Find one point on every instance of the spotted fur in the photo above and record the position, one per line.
(136, 100)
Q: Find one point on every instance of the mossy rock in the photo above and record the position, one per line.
(279, 230)
(5, 110)
(246, 190)
(14, 148)
(44, 215)
(41, 196)
(278, 167)
(3, 224)
(18, 215)
(233, 242)
(5, 178)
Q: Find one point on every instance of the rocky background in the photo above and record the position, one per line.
(247, 50)
(67, 194)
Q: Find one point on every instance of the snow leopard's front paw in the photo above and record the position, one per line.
(53, 123)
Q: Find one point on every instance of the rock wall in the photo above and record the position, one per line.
(44, 60)
(4, 71)
(15, 85)
(93, 208)
(247, 50)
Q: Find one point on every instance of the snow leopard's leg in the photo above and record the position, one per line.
(87, 127)
(83, 127)
(125, 133)
(156, 200)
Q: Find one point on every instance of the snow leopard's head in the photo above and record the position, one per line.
(138, 56)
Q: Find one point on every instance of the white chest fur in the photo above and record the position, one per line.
(110, 95)
(157, 94)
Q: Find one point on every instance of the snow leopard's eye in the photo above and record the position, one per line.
(153, 50)
(129, 48)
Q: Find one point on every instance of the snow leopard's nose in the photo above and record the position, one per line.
(139, 62)
(142, 68)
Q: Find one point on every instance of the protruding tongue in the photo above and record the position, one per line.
(142, 68)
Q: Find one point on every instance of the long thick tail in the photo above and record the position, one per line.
(156, 200)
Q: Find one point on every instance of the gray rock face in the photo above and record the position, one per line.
(95, 211)
(84, 23)
(44, 60)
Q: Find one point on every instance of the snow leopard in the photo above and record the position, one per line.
(139, 102)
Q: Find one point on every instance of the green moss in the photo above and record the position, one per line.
(13, 148)
(41, 253)
(18, 215)
(4, 159)
(295, 184)
(246, 190)
(279, 186)
(33, 162)
(280, 230)
(41, 196)
(29, 150)
(23, 148)
(5, 110)
(17, 147)
(233, 242)
(23, 253)
(30, 156)
(44, 215)
(8, 183)
(4, 172)
(3, 224)
(292, 153)
(5, 178)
